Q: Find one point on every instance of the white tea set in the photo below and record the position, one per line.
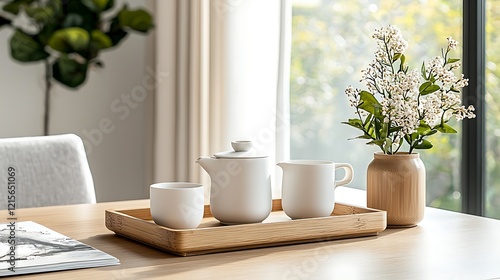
(241, 190)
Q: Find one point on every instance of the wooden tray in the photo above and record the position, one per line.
(211, 236)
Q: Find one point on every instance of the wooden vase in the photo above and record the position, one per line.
(396, 184)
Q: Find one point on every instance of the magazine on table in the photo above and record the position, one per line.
(28, 247)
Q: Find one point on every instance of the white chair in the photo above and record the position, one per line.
(48, 170)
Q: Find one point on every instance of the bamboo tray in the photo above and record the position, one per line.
(211, 236)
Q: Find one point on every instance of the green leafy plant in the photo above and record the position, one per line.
(407, 106)
(67, 36)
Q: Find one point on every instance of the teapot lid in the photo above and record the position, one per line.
(242, 150)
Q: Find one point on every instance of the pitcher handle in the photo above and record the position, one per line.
(349, 173)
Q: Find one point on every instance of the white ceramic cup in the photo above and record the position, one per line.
(308, 187)
(177, 205)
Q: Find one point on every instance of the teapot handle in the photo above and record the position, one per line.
(349, 174)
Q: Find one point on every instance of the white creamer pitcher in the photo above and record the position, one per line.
(240, 185)
(308, 187)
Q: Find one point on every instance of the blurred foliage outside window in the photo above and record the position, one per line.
(331, 44)
(492, 198)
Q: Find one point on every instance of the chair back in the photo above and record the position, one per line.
(44, 171)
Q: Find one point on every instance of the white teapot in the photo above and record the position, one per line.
(240, 184)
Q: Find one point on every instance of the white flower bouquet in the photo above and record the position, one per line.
(402, 105)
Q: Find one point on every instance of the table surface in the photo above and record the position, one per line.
(445, 245)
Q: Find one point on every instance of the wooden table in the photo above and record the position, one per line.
(446, 245)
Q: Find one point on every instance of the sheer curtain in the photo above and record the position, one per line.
(226, 68)
(185, 125)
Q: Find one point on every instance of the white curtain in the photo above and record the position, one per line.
(227, 66)
(185, 125)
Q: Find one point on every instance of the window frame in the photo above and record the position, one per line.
(473, 131)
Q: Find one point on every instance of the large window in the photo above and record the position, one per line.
(331, 44)
(492, 196)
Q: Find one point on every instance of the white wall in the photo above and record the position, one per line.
(111, 112)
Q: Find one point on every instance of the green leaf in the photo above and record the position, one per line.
(402, 64)
(368, 118)
(385, 130)
(378, 111)
(388, 145)
(15, 6)
(396, 56)
(428, 88)
(105, 4)
(39, 14)
(377, 127)
(403, 59)
(379, 142)
(432, 132)
(69, 72)
(368, 102)
(100, 40)
(445, 128)
(12, 7)
(431, 89)
(116, 32)
(423, 145)
(361, 137)
(88, 19)
(98, 5)
(371, 132)
(424, 86)
(138, 20)
(73, 20)
(408, 139)
(367, 122)
(68, 40)
(47, 31)
(414, 137)
(452, 60)
(364, 137)
(368, 97)
(25, 48)
(423, 71)
(423, 128)
(357, 123)
(394, 129)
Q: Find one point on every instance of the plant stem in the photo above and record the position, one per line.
(48, 86)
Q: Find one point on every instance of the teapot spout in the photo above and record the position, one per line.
(282, 164)
(207, 163)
